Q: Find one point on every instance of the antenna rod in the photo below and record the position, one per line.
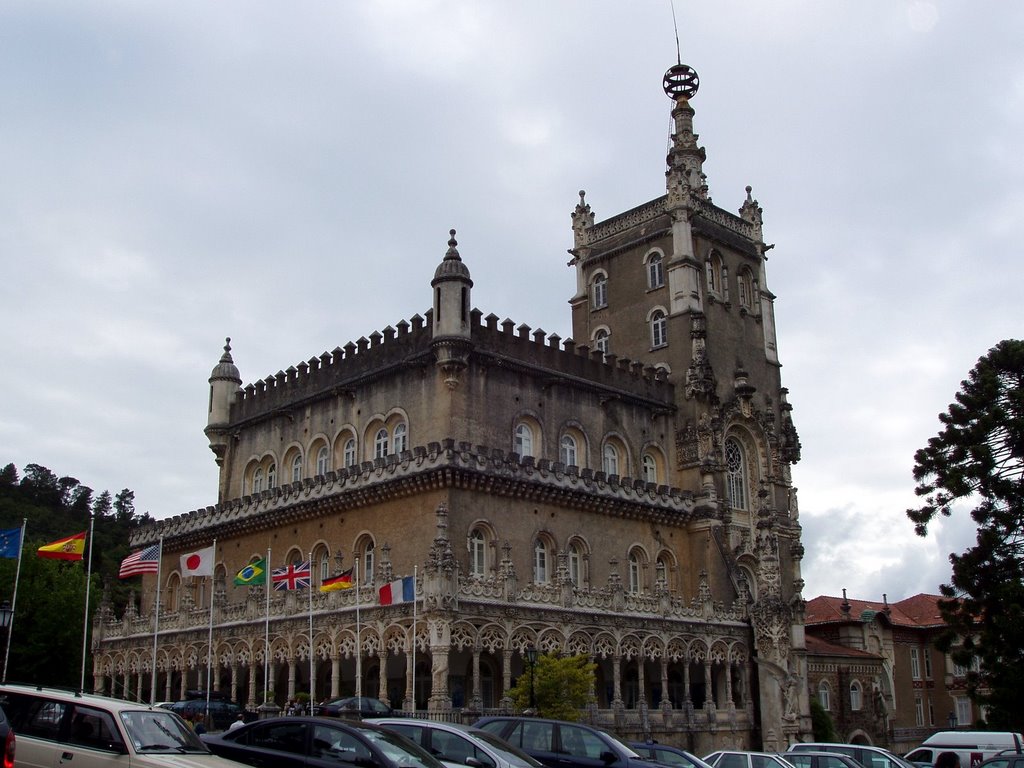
(679, 58)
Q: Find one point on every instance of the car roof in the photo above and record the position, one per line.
(434, 724)
(64, 694)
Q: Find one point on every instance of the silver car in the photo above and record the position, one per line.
(459, 745)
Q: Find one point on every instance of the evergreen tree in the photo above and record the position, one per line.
(561, 686)
(978, 458)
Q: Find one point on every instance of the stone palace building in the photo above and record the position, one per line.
(624, 494)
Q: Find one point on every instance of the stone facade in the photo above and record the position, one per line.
(623, 494)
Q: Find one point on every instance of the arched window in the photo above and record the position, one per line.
(575, 564)
(655, 271)
(650, 468)
(297, 468)
(610, 459)
(380, 444)
(855, 697)
(659, 329)
(323, 460)
(736, 474)
(272, 476)
(401, 438)
(601, 340)
(349, 456)
(540, 562)
(635, 585)
(257, 481)
(477, 554)
(825, 696)
(712, 275)
(599, 291)
(664, 564)
(366, 554)
(325, 564)
(524, 439)
(568, 451)
(744, 285)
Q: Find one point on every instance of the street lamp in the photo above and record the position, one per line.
(6, 616)
(531, 659)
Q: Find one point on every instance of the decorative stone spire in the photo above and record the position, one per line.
(685, 175)
(224, 387)
(582, 220)
(451, 316)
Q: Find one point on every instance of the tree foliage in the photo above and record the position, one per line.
(46, 640)
(562, 686)
(822, 727)
(978, 459)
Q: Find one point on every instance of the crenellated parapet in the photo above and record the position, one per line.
(438, 464)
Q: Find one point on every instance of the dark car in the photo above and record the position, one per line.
(1006, 759)
(354, 706)
(806, 759)
(559, 744)
(872, 757)
(460, 744)
(666, 755)
(219, 716)
(316, 742)
(7, 735)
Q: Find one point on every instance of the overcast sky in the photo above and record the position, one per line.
(286, 173)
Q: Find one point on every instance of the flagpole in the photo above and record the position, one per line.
(266, 631)
(85, 615)
(14, 597)
(359, 639)
(209, 640)
(156, 620)
(415, 570)
(311, 670)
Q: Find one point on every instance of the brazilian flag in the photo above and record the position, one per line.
(253, 573)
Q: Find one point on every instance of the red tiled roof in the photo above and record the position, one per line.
(919, 611)
(818, 647)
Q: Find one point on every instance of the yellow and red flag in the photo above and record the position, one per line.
(70, 548)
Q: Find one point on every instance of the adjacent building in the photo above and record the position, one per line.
(623, 494)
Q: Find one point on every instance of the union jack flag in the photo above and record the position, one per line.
(293, 576)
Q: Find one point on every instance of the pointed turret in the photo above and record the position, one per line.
(451, 318)
(224, 385)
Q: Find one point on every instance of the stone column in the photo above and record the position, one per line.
(616, 680)
(251, 702)
(234, 681)
(138, 687)
(167, 685)
(184, 682)
(410, 681)
(728, 685)
(476, 701)
(506, 678)
(641, 682)
(382, 687)
(335, 674)
(709, 695)
(291, 677)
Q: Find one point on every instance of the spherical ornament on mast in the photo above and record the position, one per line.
(680, 82)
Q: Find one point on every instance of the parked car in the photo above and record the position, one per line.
(56, 726)
(743, 759)
(971, 747)
(808, 759)
(666, 755)
(9, 740)
(1008, 760)
(559, 744)
(459, 744)
(355, 706)
(315, 742)
(218, 716)
(869, 757)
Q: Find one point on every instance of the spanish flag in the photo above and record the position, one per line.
(344, 581)
(70, 548)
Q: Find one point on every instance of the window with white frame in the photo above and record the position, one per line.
(918, 709)
(610, 459)
(655, 271)
(855, 696)
(325, 564)
(736, 474)
(959, 670)
(915, 663)
(257, 481)
(380, 444)
(744, 284)
(659, 329)
(650, 468)
(349, 452)
(523, 439)
(601, 340)
(825, 695)
(272, 476)
(931, 711)
(599, 291)
(323, 460)
(477, 554)
(963, 710)
(297, 468)
(367, 552)
(540, 562)
(634, 573)
(401, 438)
(567, 451)
(575, 564)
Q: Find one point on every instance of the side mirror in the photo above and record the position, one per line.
(608, 757)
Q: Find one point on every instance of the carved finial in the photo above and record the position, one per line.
(453, 252)
(226, 357)
(845, 605)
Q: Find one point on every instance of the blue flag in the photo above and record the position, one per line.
(10, 542)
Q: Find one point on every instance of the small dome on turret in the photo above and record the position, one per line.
(226, 370)
(451, 267)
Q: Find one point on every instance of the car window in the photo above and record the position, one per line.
(833, 762)
(925, 756)
(95, 728)
(457, 748)
(536, 736)
(512, 754)
(579, 742)
(670, 757)
(35, 717)
(280, 736)
(877, 760)
(331, 743)
(399, 749)
(763, 761)
(732, 760)
(990, 763)
(410, 731)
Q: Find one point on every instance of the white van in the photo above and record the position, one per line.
(54, 727)
(971, 747)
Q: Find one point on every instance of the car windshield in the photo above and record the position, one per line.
(513, 755)
(399, 749)
(157, 730)
(621, 746)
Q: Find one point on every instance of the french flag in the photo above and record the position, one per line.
(401, 591)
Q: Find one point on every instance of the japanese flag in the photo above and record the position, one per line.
(198, 563)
